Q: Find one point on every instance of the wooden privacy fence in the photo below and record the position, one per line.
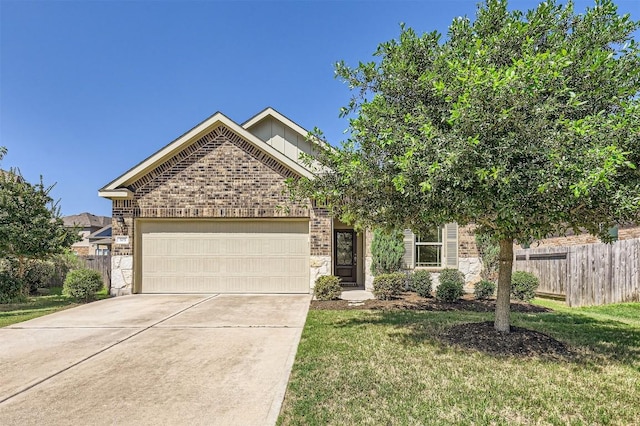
(590, 274)
(101, 264)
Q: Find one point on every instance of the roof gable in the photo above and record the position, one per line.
(118, 187)
(272, 113)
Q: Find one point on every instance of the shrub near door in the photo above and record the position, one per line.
(327, 288)
(387, 286)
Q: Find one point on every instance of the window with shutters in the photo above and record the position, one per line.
(429, 248)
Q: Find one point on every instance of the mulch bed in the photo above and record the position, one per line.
(519, 342)
(483, 337)
(411, 301)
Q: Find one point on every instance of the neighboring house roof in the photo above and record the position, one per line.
(86, 220)
(103, 242)
(119, 187)
(101, 235)
(10, 174)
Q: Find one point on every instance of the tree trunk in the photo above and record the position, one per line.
(503, 304)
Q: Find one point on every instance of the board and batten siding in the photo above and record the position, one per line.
(449, 247)
(281, 137)
(590, 274)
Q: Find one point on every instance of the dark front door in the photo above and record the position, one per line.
(345, 255)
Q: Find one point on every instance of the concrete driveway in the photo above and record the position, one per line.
(153, 359)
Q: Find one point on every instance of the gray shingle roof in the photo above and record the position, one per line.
(86, 220)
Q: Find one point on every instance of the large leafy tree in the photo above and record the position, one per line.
(30, 224)
(526, 124)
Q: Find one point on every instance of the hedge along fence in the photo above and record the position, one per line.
(590, 274)
(101, 264)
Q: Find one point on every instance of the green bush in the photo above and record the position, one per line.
(451, 285)
(387, 250)
(489, 251)
(62, 264)
(523, 285)
(420, 282)
(82, 284)
(386, 286)
(38, 274)
(10, 288)
(327, 288)
(484, 289)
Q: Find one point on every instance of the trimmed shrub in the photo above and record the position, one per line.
(386, 286)
(387, 250)
(82, 284)
(451, 285)
(10, 288)
(327, 288)
(420, 282)
(484, 289)
(523, 285)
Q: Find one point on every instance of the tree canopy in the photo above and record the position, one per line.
(524, 123)
(30, 223)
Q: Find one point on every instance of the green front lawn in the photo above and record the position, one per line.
(38, 306)
(390, 368)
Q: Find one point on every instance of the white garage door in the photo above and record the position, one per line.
(196, 256)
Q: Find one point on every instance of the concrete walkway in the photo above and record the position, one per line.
(153, 359)
(356, 294)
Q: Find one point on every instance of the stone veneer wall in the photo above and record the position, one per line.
(368, 260)
(219, 176)
(469, 262)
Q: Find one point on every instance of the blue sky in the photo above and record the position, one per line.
(90, 88)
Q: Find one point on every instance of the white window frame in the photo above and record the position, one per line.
(440, 244)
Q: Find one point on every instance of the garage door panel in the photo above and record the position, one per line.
(225, 256)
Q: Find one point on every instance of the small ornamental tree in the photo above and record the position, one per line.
(489, 253)
(30, 224)
(525, 124)
(387, 250)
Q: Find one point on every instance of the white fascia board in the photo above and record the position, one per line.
(115, 193)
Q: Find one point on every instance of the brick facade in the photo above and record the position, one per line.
(219, 176)
(624, 233)
(81, 250)
(467, 242)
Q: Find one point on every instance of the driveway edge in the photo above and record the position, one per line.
(281, 390)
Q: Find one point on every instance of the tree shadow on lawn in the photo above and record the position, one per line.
(548, 335)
